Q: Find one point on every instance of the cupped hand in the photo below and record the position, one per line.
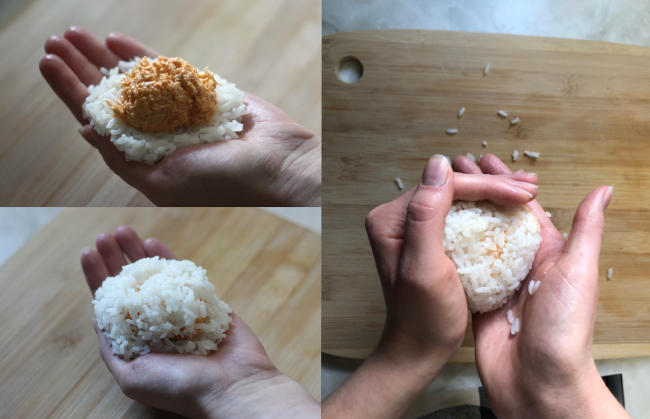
(546, 370)
(426, 304)
(276, 161)
(192, 385)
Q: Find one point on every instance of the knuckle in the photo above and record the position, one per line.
(421, 208)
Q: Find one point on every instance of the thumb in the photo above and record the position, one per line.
(425, 217)
(587, 228)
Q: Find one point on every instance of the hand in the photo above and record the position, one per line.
(238, 379)
(547, 370)
(275, 162)
(426, 304)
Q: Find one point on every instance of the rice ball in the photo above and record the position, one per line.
(160, 305)
(493, 248)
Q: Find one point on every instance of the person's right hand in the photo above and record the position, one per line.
(275, 161)
(237, 380)
(547, 369)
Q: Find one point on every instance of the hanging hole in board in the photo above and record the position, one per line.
(350, 70)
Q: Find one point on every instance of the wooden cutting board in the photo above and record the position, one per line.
(266, 268)
(268, 48)
(585, 106)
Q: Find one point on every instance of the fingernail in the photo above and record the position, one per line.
(436, 171)
(526, 184)
(608, 196)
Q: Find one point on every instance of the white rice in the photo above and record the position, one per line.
(399, 183)
(461, 112)
(515, 155)
(493, 248)
(510, 316)
(514, 121)
(531, 284)
(452, 131)
(152, 146)
(514, 329)
(502, 113)
(531, 154)
(484, 143)
(486, 69)
(610, 273)
(565, 235)
(536, 287)
(548, 214)
(154, 304)
(471, 157)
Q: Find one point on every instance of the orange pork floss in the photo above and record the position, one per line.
(165, 94)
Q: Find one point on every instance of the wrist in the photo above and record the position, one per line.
(299, 182)
(266, 393)
(584, 396)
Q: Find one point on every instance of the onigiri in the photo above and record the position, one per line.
(493, 248)
(160, 305)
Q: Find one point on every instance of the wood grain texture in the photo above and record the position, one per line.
(268, 48)
(266, 268)
(584, 105)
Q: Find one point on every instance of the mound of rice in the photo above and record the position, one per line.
(493, 248)
(159, 305)
(152, 146)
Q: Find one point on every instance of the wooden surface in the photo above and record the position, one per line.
(584, 105)
(266, 268)
(268, 48)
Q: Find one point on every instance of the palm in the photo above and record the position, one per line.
(172, 376)
(554, 322)
(244, 172)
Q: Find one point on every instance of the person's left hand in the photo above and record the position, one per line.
(274, 162)
(237, 379)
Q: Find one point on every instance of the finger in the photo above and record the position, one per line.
(522, 176)
(130, 243)
(94, 269)
(126, 47)
(133, 173)
(425, 218)
(587, 229)
(111, 252)
(464, 164)
(498, 189)
(493, 165)
(385, 229)
(85, 71)
(154, 247)
(65, 84)
(95, 50)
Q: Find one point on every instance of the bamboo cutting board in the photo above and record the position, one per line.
(585, 106)
(268, 48)
(266, 268)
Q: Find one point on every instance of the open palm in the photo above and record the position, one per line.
(169, 381)
(276, 160)
(557, 322)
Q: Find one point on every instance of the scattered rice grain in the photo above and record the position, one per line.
(514, 329)
(502, 113)
(461, 112)
(486, 69)
(515, 155)
(565, 235)
(515, 121)
(532, 154)
(399, 183)
(548, 214)
(484, 143)
(531, 284)
(452, 131)
(471, 157)
(510, 316)
(536, 287)
(610, 272)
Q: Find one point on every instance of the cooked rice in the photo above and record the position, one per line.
(471, 157)
(610, 273)
(510, 316)
(548, 214)
(461, 112)
(159, 305)
(514, 121)
(486, 69)
(484, 143)
(502, 113)
(531, 154)
(151, 147)
(493, 248)
(514, 329)
(399, 183)
(452, 131)
(515, 155)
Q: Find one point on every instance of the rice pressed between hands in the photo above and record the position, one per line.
(146, 142)
(159, 305)
(493, 248)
